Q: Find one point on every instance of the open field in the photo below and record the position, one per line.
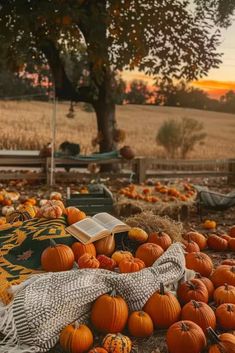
(26, 125)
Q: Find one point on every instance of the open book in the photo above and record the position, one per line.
(97, 227)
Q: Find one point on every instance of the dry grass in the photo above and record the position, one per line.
(153, 223)
(26, 125)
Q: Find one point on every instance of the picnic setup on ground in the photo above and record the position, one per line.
(92, 282)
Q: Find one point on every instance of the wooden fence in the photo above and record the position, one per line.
(29, 165)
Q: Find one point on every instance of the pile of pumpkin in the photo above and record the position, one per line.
(158, 193)
(187, 317)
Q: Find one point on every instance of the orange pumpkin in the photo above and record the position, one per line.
(226, 237)
(192, 290)
(32, 201)
(2, 220)
(208, 224)
(208, 283)
(224, 294)
(200, 313)
(191, 246)
(149, 253)
(105, 246)
(223, 274)
(225, 315)
(224, 343)
(230, 262)
(98, 350)
(232, 232)
(185, 337)
(138, 235)
(106, 262)
(57, 257)
(217, 243)
(118, 256)
(131, 265)
(198, 238)
(88, 261)
(76, 338)
(80, 249)
(199, 262)
(140, 324)
(160, 238)
(163, 308)
(74, 215)
(109, 313)
(50, 210)
(231, 244)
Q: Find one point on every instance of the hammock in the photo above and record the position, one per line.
(214, 200)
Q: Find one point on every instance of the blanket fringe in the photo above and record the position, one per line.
(18, 349)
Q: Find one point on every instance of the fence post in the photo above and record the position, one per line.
(48, 172)
(231, 169)
(140, 169)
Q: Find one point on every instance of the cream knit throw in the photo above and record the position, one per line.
(46, 303)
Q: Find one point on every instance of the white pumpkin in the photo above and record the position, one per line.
(7, 209)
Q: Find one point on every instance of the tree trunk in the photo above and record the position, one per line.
(106, 122)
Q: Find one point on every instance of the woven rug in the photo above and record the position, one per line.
(21, 246)
(46, 303)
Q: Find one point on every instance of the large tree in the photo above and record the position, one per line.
(167, 39)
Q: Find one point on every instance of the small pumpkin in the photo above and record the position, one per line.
(88, 261)
(118, 256)
(223, 274)
(192, 290)
(131, 265)
(7, 209)
(117, 343)
(224, 343)
(225, 315)
(160, 238)
(200, 313)
(138, 235)
(80, 249)
(57, 257)
(76, 338)
(191, 246)
(208, 283)
(224, 294)
(50, 210)
(2, 220)
(106, 262)
(226, 237)
(105, 246)
(98, 350)
(184, 337)
(209, 224)
(55, 195)
(230, 262)
(149, 253)
(231, 244)
(199, 262)
(199, 238)
(232, 232)
(74, 215)
(140, 324)
(109, 313)
(20, 215)
(215, 242)
(163, 308)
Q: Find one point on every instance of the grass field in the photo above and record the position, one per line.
(26, 125)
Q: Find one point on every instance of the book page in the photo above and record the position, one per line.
(87, 226)
(110, 222)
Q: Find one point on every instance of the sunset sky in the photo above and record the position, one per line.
(219, 80)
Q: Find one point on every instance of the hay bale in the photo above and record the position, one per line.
(150, 222)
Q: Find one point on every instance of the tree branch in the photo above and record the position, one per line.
(64, 89)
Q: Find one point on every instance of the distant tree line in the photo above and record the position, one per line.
(135, 92)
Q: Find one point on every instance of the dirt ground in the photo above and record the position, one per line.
(191, 219)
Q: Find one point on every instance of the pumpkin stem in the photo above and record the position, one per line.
(213, 335)
(113, 293)
(196, 305)
(233, 269)
(230, 308)
(53, 243)
(198, 275)
(76, 325)
(189, 238)
(141, 313)
(226, 286)
(191, 285)
(184, 327)
(162, 290)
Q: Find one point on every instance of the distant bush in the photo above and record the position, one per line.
(180, 137)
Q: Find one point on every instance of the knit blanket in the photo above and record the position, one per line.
(46, 303)
(21, 246)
